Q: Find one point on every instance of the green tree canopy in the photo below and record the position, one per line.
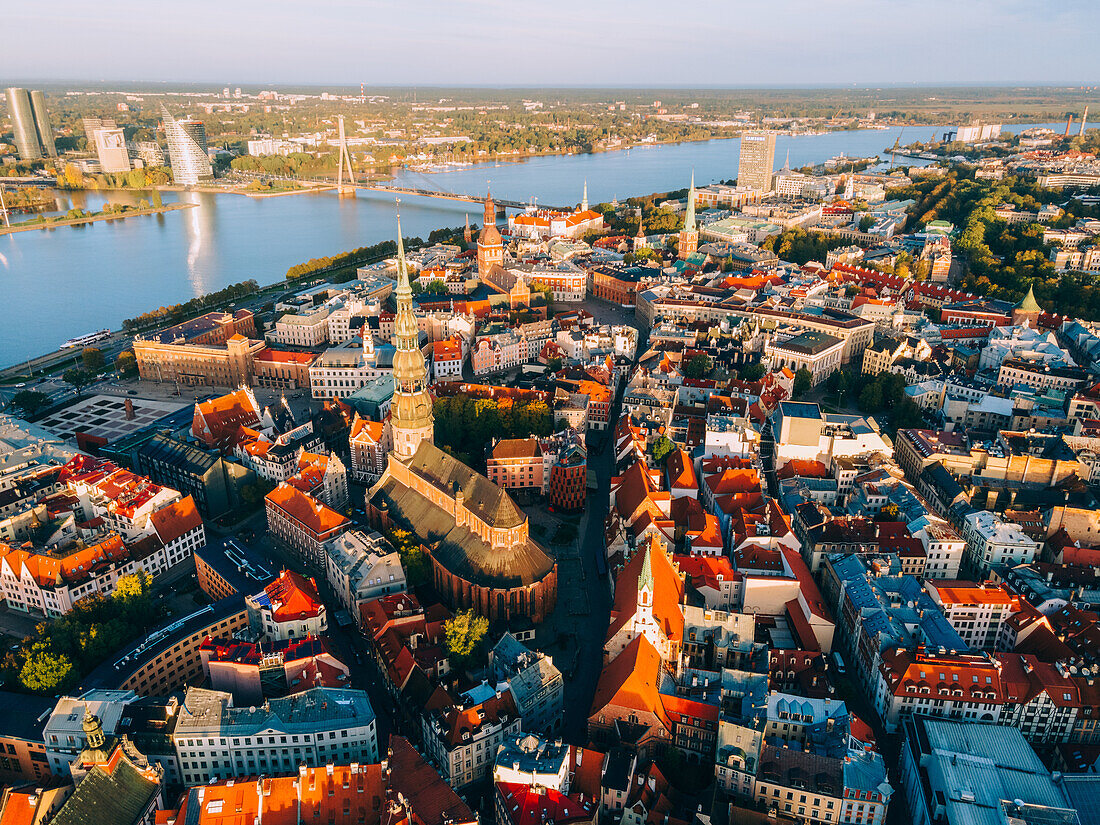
(93, 359)
(126, 363)
(45, 671)
(698, 366)
(77, 378)
(751, 372)
(660, 449)
(30, 402)
(463, 636)
(803, 381)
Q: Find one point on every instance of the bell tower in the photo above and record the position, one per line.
(689, 235)
(411, 419)
(490, 246)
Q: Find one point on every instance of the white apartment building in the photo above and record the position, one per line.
(361, 568)
(817, 352)
(343, 369)
(991, 541)
(64, 734)
(944, 549)
(306, 329)
(462, 740)
(976, 611)
(215, 740)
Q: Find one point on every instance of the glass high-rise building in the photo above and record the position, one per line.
(42, 121)
(187, 150)
(31, 123)
(757, 160)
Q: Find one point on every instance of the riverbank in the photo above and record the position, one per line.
(99, 216)
(304, 190)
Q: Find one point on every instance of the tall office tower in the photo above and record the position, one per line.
(42, 121)
(27, 136)
(757, 160)
(187, 149)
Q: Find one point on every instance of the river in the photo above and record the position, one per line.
(73, 280)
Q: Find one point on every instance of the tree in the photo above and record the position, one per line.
(661, 448)
(803, 381)
(870, 397)
(77, 378)
(73, 177)
(158, 202)
(126, 363)
(463, 635)
(838, 383)
(698, 366)
(45, 671)
(93, 359)
(866, 222)
(553, 364)
(751, 372)
(134, 586)
(30, 401)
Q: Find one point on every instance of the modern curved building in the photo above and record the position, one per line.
(187, 150)
(42, 121)
(31, 124)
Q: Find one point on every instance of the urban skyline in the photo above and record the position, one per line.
(502, 455)
(473, 42)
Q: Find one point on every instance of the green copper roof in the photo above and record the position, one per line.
(645, 579)
(689, 219)
(1029, 304)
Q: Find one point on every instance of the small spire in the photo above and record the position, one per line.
(584, 197)
(404, 289)
(645, 578)
(689, 218)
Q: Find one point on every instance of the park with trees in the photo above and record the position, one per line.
(465, 424)
(65, 649)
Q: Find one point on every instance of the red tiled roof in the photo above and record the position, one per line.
(308, 511)
(704, 571)
(293, 596)
(175, 520)
(279, 356)
(630, 681)
(525, 805)
(681, 474)
(432, 800)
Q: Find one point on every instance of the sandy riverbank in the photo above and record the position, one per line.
(114, 216)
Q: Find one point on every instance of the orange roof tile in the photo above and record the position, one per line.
(284, 357)
(306, 510)
(630, 681)
(958, 591)
(293, 596)
(175, 520)
(681, 473)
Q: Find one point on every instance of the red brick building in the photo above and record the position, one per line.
(569, 478)
(478, 539)
(616, 284)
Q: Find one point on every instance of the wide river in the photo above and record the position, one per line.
(69, 281)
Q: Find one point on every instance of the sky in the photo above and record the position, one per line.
(642, 43)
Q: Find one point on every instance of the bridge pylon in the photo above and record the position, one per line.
(344, 189)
